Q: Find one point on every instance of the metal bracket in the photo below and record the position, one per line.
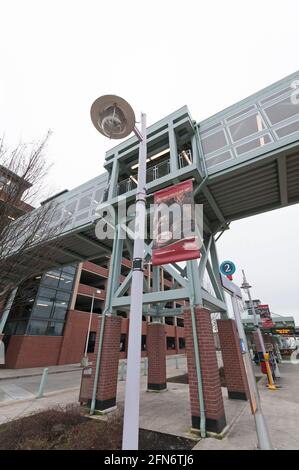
(138, 264)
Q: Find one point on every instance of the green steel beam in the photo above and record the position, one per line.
(154, 297)
(215, 305)
(166, 312)
(204, 259)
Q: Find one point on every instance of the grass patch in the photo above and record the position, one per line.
(61, 428)
(69, 428)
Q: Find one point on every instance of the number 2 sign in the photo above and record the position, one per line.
(227, 268)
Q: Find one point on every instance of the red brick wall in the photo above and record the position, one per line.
(213, 401)
(94, 268)
(42, 350)
(107, 381)
(89, 291)
(75, 334)
(156, 352)
(73, 341)
(234, 370)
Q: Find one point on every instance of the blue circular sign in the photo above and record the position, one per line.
(227, 268)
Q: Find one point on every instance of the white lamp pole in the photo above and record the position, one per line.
(132, 397)
(113, 117)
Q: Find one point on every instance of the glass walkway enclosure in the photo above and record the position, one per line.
(244, 161)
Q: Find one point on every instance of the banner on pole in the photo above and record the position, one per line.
(174, 237)
(264, 311)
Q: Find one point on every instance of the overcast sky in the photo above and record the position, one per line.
(56, 57)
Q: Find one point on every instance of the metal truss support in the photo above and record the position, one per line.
(157, 297)
(113, 268)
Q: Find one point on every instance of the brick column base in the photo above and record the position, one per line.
(156, 353)
(108, 374)
(234, 370)
(213, 401)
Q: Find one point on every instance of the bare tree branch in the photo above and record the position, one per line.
(27, 241)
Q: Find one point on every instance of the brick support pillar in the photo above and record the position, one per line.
(213, 401)
(156, 353)
(234, 370)
(108, 374)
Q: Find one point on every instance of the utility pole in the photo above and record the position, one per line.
(246, 286)
(264, 441)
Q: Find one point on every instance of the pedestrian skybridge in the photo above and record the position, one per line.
(244, 161)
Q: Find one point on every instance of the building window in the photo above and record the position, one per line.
(41, 328)
(91, 342)
(122, 345)
(143, 343)
(54, 328)
(43, 307)
(37, 327)
(52, 302)
(170, 341)
(182, 343)
(51, 278)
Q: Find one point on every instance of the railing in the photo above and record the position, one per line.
(251, 127)
(154, 172)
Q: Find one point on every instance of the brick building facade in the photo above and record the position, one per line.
(49, 326)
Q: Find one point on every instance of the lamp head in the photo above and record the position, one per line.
(112, 116)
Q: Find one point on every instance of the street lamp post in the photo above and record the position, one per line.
(246, 286)
(264, 441)
(113, 117)
(132, 397)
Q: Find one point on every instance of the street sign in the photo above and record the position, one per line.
(227, 268)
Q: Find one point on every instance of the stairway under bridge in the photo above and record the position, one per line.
(243, 160)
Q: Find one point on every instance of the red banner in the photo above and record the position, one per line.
(264, 311)
(174, 225)
(267, 323)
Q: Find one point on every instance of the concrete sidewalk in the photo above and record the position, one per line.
(281, 410)
(7, 374)
(169, 411)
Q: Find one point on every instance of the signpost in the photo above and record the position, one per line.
(235, 292)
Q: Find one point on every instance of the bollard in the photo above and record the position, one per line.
(122, 370)
(43, 381)
(176, 362)
(271, 385)
(145, 366)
